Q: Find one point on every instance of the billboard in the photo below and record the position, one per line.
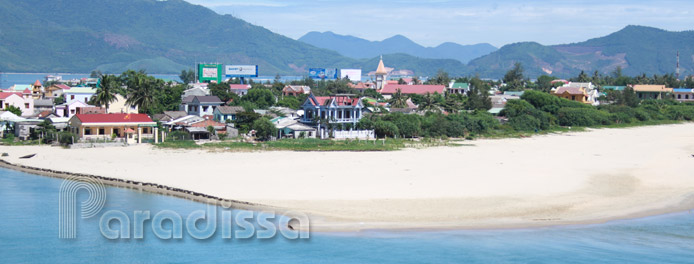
(353, 74)
(322, 73)
(209, 72)
(241, 71)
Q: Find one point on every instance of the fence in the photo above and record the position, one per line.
(354, 134)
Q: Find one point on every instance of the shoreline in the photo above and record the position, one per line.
(333, 226)
(496, 184)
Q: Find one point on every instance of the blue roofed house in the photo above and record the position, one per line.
(683, 95)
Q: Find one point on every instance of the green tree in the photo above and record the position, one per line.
(15, 110)
(260, 97)
(290, 102)
(44, 131)
(514, 79)
(141, 90)
(441, 78)
(478, 95)
(187, 76)
(628, 97)
(264, 129)
(106, 92)
(398, 100)
(221, 90)
(430, 103)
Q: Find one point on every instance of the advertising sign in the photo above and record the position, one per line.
(353, 74)
(322, 73)
(241, 71)
(209, 72)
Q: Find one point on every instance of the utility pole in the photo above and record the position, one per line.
(677, 72)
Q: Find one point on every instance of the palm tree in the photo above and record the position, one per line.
(106, 93)
(141, 91)
(429, 103)
(398, 100)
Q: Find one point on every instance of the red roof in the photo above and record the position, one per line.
(413, 89)
(239, 86)
(207, 123)
(26, 91)
(37, 83)
(114, 118)
(63, 86)
(4, 95)
(339, 100)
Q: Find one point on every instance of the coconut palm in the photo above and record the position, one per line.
(398, 100)
(141, 90)
(429, 103)
(106, 92)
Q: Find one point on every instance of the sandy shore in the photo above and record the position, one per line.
(570, 178)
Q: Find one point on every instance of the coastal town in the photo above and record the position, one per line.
(89, 111)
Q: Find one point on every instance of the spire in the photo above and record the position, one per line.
(381, 70)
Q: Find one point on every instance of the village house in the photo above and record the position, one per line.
(294, 90)
(226, 114)
(288, 127)
(577, 94)
(683, 95)
(22, 101)
(121, 106)
(41, 105)
(651, 91)
(55, 90)
(70, 108)
(200, 105)
(196, 91)
(128, 127)
(82, 94)
(335, 111)
(169, 115)
(239, 89)
(458, 88)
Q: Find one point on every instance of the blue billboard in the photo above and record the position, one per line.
(322, 73)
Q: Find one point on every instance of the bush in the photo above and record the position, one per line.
(680, 112)
(66, 138)
(409, 126)
(582, 117)
(264, 129)
(178, 135)
(385, 129)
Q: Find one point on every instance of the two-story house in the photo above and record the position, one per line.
(200, 105)
(335, 111)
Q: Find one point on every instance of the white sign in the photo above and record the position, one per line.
(209, 72)
(241, 70)
(353, 74)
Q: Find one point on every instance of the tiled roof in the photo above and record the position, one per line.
(208, 99)
(339, 100)
(43, 102)
(413, 89)
(175, 114)
(297, 88)
(570, 90)
(62, 86)
(4, 95)
(206, 123)
(37, 83)
(651, 88)
(381, 70)
(225, 110)
(460, 85)
(114, 118)
(187, 99)
(26, 91)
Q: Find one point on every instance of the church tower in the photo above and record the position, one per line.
(381, 75)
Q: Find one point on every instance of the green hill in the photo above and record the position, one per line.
(636, 49)
(159, 36)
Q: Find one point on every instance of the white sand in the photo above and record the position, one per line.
(568, 178)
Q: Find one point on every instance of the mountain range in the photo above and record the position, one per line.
(161, 37)
(637, 49)
(354, 47)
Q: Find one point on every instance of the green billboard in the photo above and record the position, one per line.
(210, 72)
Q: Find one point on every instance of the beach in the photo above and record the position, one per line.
(558, 179)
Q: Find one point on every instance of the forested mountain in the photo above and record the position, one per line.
(636, 49)
(160, 37)
(360, 48)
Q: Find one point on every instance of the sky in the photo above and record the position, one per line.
(431, 23)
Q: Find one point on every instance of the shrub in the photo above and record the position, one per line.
(178, 135)
(385, 129)
(66, 138)
(582, 117)
(264, 129)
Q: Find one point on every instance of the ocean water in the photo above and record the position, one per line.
(9, 79)
(29, 234)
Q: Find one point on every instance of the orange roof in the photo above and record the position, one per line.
(570, 90)
(207, 123)
(651, 88)
(381, 70)
(37, 83)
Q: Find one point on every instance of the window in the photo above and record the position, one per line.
(26, 105)
(679, 96)
(87, 131)
(72, 97)
(102, 131)
(686, 96)
(573, 97)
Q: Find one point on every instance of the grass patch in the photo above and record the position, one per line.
(312, 145)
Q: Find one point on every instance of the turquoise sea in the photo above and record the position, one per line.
(29, 234)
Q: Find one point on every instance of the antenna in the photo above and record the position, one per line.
(677, 73)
